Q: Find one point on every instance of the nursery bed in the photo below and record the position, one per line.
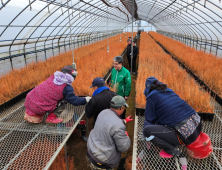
(151, 159)
(201, 83)
(24, 145)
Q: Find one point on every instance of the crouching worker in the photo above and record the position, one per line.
(170, 122)
(45, 96)
(109, 137)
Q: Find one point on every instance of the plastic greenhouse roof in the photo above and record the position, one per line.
(26, 24)
(35, 21)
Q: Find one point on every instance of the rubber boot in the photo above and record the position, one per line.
(167, 147)
(52, 119)
(82, 127)
(163, 154)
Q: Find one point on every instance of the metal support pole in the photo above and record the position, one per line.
(52, 51)
(59, 46)
(217, 47)
(132, 39)
(67, 166)
(201, 43)
(24, 55)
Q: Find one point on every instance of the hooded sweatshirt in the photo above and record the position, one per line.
(164, 107)
(45, 96)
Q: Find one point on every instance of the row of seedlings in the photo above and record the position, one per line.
(155, 62)
(205, 67)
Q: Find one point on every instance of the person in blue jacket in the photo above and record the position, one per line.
(169, 120)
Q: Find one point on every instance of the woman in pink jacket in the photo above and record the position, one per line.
(45, 96)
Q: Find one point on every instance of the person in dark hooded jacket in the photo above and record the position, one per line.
(169, 120)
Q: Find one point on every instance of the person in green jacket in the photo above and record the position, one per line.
(120, 79)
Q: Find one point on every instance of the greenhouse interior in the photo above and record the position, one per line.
(177, 42)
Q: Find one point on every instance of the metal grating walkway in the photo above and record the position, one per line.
(152, 161)
(33, 146)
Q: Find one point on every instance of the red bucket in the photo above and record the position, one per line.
(201, 148)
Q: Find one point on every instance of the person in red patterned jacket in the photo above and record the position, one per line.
(45, 96)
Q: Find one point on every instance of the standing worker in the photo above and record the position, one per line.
(120, 80)
(44, 97)
(170, 122)
(128, 51)
(100, 99)
(135, 53)
(109, 137)
(129, 56)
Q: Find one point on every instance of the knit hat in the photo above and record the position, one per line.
(118, 59)
(149, 82)
(98, 81)
(68, 69)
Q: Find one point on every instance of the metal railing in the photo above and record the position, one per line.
(20, 58)
(24, 145)
(211, 46)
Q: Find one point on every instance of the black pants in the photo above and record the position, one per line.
(129, 61)
(133, 64)
(167, 138)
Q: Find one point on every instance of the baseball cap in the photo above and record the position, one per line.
(118, 101)
(98, 81)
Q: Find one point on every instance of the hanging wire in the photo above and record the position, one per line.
(29, 4)
(73, 64)
(132, 39)
(72, 10)
(48, 8)
(120, 26)
(107, 32)
(79, 8)
(125, 27)
(187, 6)
(61, 6)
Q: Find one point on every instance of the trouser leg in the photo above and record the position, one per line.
(122, 163)
(164, 137)
(129, 61)
(134, 64)
(82, 128)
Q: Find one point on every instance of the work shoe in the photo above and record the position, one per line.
(52, 118)
(163, 154)
(33, 118)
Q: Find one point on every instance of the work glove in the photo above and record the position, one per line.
(126, 133)
(88, 98)
(128, 119)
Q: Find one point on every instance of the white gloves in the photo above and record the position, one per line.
(88, 98)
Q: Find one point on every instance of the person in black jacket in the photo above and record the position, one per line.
(135, 53)
(100, 100)
(128, 51)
